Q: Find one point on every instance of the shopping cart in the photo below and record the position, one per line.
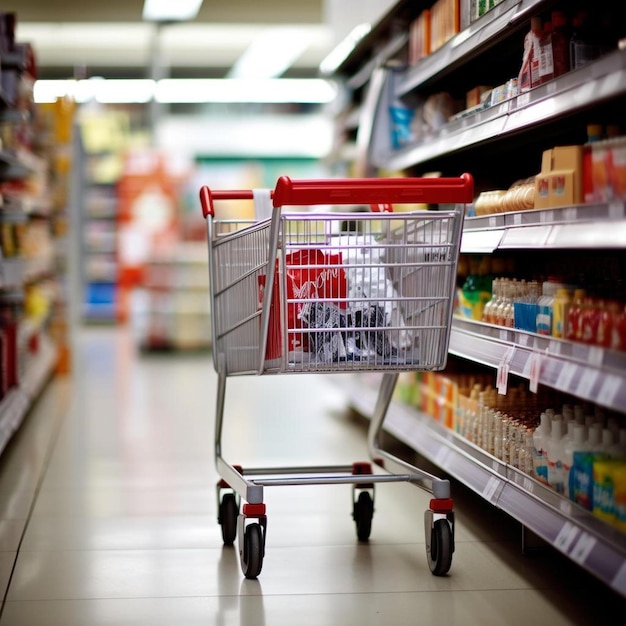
(335, 292)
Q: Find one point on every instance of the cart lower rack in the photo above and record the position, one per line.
(336, 292)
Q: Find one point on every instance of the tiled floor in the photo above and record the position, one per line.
(108, 513)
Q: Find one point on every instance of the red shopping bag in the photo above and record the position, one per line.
(310, 276)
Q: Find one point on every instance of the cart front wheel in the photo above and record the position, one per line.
(363, 512)
(252, 555)
(229, 510)
(439, 554)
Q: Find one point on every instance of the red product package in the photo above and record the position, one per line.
(310, 276)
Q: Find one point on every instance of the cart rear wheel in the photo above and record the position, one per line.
(440, 554)
(229, 510)
(363, 512)
(252, 556)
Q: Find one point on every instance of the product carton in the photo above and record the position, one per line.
(560, 180)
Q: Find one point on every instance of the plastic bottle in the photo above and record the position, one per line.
(544, 307)
(556, 454)
(560, 309)
(590, 320)
(594, 134)
(576, 444)
(560, 40)
(574, 315)
(540, 455)
(618, 334)
(607, 318)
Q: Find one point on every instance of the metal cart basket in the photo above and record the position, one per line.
(336, 292)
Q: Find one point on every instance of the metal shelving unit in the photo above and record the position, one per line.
(567, 527)
(530, 123)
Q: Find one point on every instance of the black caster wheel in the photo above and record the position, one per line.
(439, 554)
(229, 510)
(363, 512)
(252, 553)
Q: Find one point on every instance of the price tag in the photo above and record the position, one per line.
(616, 210)
(566, 537)
(502, 377)
(565, 507)
(534, 371)
(493, 222)
(609, 389)
(528, 485)
(522, 339)
(490, 488)
(517, 218)
(586, 383)
(595, 355)
(583, 547)
(566, 376)
(523, 100)
(570, 214)
(546, 217)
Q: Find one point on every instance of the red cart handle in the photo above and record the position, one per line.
(371, 191)
(374, 191)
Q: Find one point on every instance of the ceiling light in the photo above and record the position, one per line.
(230, 90)
(183, 91)
(170, 10)
(343, 50)
(271, 53)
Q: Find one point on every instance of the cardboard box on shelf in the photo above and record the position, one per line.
(560, 180)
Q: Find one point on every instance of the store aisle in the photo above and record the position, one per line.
(108, 513)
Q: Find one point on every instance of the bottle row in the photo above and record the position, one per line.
(577, 449)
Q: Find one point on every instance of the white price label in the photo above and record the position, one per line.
(586, 383)
(503, 378)
(595, 355)
(517, 218)
(490, 488)
(566, 537)
(616, 210)
(570, 214)
(609, 389)
(523, 339)
(528, 485)
(534, 371)
(583, 547)
(566, 376)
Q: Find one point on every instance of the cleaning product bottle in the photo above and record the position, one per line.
(540, 455)
(556, 454)
(575, 444)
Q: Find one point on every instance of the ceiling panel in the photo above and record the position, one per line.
(109, 39)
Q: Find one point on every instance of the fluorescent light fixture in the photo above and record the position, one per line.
(180, 90)
(271, 53)
(227, 90)
(170, 10)
(341, 52)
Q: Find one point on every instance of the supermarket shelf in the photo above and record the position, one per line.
(17, 402)
(588, 372)
(558, 228)
(587, 540)
(602, 80)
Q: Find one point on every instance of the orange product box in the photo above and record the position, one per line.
(473, 96)
(419, 37)
(560, 182)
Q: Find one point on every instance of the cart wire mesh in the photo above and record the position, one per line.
(349, 291)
